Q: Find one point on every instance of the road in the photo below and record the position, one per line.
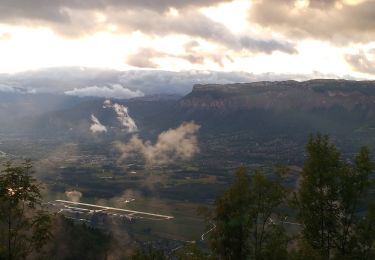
(204, 234)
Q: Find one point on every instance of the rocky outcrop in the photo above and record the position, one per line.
(282, 95)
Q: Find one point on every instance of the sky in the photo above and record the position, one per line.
(316, 37)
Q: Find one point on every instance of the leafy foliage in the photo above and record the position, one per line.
(330, 198)
(77, 241)
(24, 224)
(245, 217)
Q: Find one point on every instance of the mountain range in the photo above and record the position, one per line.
(240, 114)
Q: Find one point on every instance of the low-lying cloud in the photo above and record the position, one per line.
(127, 122)
(74, 195)
(96, 126)
(11, 89)
(6, 88)
(75, 80)
(179, 144)
(112, 91)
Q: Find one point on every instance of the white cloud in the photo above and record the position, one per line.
(122, 116)
(5, 36)
(74, 195)
(112, 91)
(96, 126)
(171, 146)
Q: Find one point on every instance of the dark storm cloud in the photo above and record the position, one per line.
(77, 17)
(57, 10)
(331, 20)
(196, 24)
(74, 18)
(267, 46)
(362, 62)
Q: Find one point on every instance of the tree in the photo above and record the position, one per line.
(268, 240)
(329, 200)
(318, 194)
(78, 241)
(232, 219)
(24, 224)
(353, 190)
(246, 219)
(365, 233)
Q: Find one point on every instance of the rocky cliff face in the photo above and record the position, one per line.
(284, 95)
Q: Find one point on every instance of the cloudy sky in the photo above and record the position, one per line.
(330, 37)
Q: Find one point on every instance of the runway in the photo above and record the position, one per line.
(126, 211)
